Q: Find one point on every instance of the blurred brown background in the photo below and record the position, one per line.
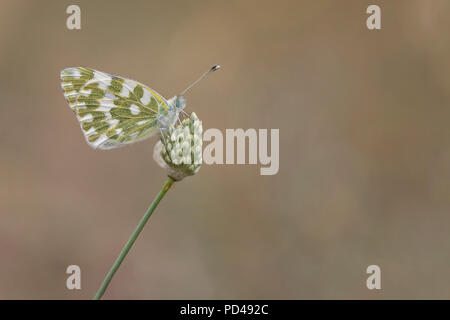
(364, 151)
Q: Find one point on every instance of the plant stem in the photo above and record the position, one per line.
(133, 238)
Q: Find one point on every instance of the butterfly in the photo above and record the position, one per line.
(115, 111)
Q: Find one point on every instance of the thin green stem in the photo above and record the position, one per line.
(132, 239)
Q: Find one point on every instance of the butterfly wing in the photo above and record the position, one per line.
(112, 111)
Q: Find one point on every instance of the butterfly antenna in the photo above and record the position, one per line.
(214, 68)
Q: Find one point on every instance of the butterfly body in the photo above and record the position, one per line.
(115, 111)
(175, 106)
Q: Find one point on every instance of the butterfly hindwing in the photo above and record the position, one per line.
(112, 110)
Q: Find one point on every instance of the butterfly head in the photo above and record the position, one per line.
(180, 103)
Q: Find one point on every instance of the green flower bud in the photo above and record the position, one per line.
(180, 148)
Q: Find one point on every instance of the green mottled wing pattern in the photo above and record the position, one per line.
(112, 111)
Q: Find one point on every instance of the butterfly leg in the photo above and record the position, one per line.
(185, 114)
(162, 136)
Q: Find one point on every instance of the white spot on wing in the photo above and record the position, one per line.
(71, 72)
(104, 108)
(104, 84)
(99, 141)
(112, 122)
(146, 97)
(134, 109)
(124, 92)
(91, 131)
(81, 105)
(87, 118)
(110, 96)
(130, 85)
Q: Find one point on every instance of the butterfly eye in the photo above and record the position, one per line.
(181, 102)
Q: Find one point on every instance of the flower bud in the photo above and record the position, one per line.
(180, 148)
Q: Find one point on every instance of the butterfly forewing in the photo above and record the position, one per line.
(112, 110)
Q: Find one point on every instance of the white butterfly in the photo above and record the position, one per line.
(114, 111)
